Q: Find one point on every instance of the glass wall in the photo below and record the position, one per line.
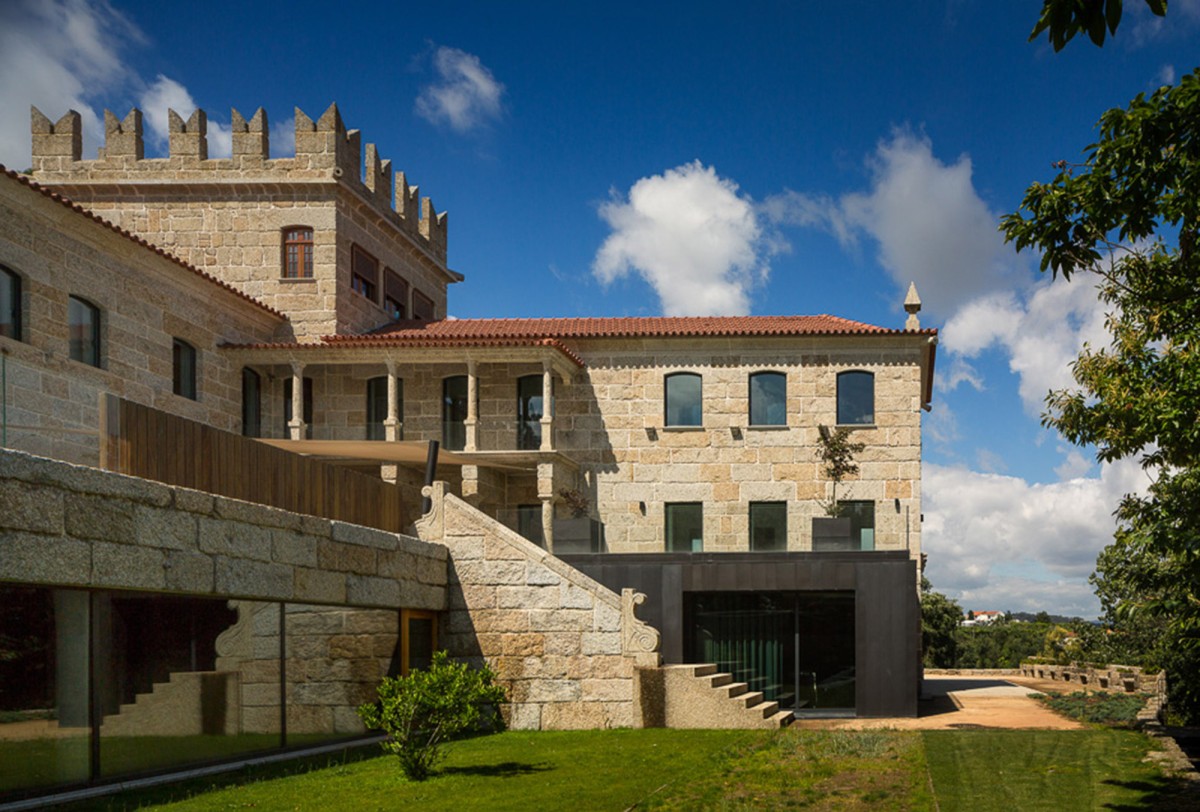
(44, 726)
(795, 647)
(100, 685)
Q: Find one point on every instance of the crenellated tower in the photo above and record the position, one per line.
(339, 242)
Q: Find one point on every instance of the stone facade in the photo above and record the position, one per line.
(559, 642)
(69, 525)
(227, 215)
(145, 299)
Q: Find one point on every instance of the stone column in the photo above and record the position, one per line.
(471, 423)
(392, 427)
(296, 426)
(547, 407)
(548, 522)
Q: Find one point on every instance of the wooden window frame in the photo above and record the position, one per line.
(405, 616)
(422, 299)
(303, 267)
(362, 284)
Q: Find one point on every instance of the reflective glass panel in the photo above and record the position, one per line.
(683, 406)
(768, 399)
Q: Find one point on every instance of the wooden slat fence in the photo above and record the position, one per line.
(152, 444)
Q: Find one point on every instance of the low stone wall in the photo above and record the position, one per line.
(567, 649)
(972, 672)
(1113, 678)
(70, 525)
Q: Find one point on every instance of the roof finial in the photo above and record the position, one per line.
(912, 306)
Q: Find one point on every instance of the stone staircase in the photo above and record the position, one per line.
(190, 703)
(699, 696)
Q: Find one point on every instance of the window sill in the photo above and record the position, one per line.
(682, 428)
(767, 428)
(856, 426)
(298, 279)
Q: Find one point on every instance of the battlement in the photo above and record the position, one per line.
(325, 150)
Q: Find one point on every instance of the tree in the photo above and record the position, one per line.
(424, 710)
(940, 617)
(1128, 217)
(1063, 19)
(837, 452)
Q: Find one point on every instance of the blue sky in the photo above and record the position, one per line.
(647, 158)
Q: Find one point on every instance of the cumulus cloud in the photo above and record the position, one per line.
(988, 534)
(929, 224)
(58, 55)
(1041, 331)
(167, 94)
(466, 95)
(691, 236)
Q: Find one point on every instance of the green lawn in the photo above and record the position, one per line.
(704, 769)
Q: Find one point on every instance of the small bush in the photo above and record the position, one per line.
(1112, 710)
(424, 710)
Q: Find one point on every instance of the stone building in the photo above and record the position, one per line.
(594, 465)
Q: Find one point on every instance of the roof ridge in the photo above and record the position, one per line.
(62, 199)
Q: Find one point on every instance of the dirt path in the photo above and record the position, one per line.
(962, 702)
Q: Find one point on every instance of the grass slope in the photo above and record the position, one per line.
(715, 769)
(1006, 770)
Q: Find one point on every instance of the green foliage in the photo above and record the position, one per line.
(998, 646)
(1114, 217)
(1111, 710)
(837, 453)
(1063, 19)
(424, 710)
(940, 618)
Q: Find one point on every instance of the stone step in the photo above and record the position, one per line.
(767, 709)
(750, 698)
(732, 689)
(782, 718)
(705, 669)
(717, 680)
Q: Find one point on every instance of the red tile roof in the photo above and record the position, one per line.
(70, 204)
(657, 327)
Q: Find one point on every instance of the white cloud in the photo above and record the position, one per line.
(58, 55)
(165, 93)
(1074, 465)
(929, 224)
(984, 530)
(1041, 331)
(1166, 75)
(466, 95)
(691, 236)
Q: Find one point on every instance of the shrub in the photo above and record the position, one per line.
(424, 710)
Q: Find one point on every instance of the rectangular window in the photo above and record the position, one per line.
(308, 407)
(298, 252)
(684, 527)
(529, 523)
(364, 273)
(377, 406)
(683, 402)
(251, 403)
(395, 294)
(10, 304)
(454, 413)
(855, 398)
(422, 306)
(861, 514)
(768, 526)
(529, 412)
(768, 399)
(84, 330)
(183, 369)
